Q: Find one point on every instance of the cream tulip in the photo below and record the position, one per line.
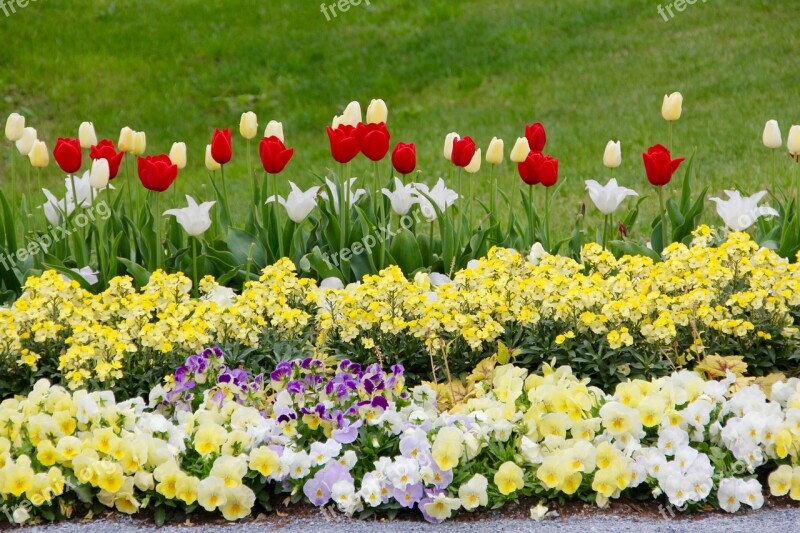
(377, 112)
(126, 141)
(248, 125)
(793, 140)
(772, 135)
(475, 164)
(15, 125)
(98, 177)
(139, 143)
(177, 154)
(210, 163)
(520, 151)
(87, 135)
(275, 129)
(448, 145)
(494, 154)
(612, 158)
(39, 155)
(25, 143)
(672, 107)
(352, 114)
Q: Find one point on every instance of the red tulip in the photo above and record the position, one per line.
(157, 172)
(221, 149)
(538, 168)
(274, 154)
(68, 154)
(463, 150)
(105, 150)
(344, 143)
(404, 158)
(659, 165)
(536, 136)
(373, 140)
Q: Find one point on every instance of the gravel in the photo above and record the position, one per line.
(765, 521)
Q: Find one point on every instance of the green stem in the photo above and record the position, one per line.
(531, 211)
(663, 217)
(547, 219)
(430, 244)
(605, 231)
(493, 197)
(13, 178)
(195, 287)
(157, 221)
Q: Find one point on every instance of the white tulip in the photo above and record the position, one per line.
(248, 125)
(520, 151)
(608, 198)
(537, 253)
(440, 194)
(355, 194)
(352, 114)
(25, 143)
(402, 198)
(331, 283)
(126, 141)
(793, 140)
(672, 107)
(98, 178)
(87, 273)
(177, 154)
(195, 219)
(274, 129)
(494, 154)
(210, 163)
(298, 203)
(337, 121)
(139, 143)
(740, 212)
(475, 164)
(54, 208)
(448, 145)
(377, 112)
(772, 135)
(79, 190)
(86, 135)
(612, 158)
(15, 124)
(39, 155)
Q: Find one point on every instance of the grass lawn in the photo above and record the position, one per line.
(590, 70)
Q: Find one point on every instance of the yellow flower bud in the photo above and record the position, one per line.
(494, 154)
(672, 107)
(248, 125)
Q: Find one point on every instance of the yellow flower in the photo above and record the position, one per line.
(447, 447)
(264, 461)
(238, 502)
(780, 481)
(211, 493)
(509, 478)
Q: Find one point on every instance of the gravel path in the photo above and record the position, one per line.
(765, 521)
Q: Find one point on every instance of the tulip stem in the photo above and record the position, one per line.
(547, 219)
(157, 221)
(13, 178)
(493, 197)
(531, 212)
(774, 176)
(195, 288)
(605, 230)
(663, 217)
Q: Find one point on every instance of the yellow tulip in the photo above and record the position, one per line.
(672, 107)
(126, 140)
(248, 125)
(87, 135)
(494, 154)
(39, 155)
(177, 154)
(520, 151)
(377, 112)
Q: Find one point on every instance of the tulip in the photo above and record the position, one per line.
(440, 194)
(157, 172)
(740, 212)
(608, 197)
(793, 140)
(105, 150)
(25, 143)
(139, 143)
(449, 140)
(404, 158)
(538, 168)
(474, 165)
(79, 190)
(373, 140)
(274, 129)
(86, 135)
(194, 219)
(520, 151)
(352, 114)
(100, 174)
(612, 158)
(659, 165)
(344, 143)
(355, 194)
(210, 163)
(39, 155)
(672, 107)
(336, 122)
(126, 141)
(68, 154)
(463, 151)
(537, 253)
(274, 155)
(53, 208)
(377, 112)
(298, 203)
(221, 149)
(15, 125)
(494, 154)
(536, 136)
(402, 198)
(772, 135)
(248, 125)
(177, 154)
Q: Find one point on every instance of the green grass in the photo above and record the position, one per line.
(590, 70)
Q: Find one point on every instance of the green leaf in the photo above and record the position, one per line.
(139, 274)
(406, 252)
(620, 248)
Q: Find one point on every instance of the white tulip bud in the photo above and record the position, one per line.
(352, 114)
(126, 141)
(177, 155)
(377, 112)
(25, 143)
(475, 164)
(275, 129)
(39, 155)
(520, 151)
(15, 124)
(612, 158)
(772, 135)
(448, 145)
(793, 140)
(86, 135)
(494, 154)
(248, 125)
(337, 121)
(672, 107)
(210, 163)
(139, 143)
(98, 177)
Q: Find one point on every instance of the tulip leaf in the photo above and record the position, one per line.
(239, 243)
(140, 275)
(8, 226)
(620, 248)
(323, 265)
(675, 215)
(406, 252)
(686, 187)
